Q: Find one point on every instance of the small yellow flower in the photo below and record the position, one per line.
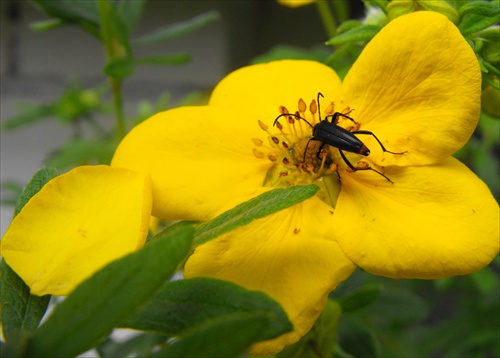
(423, 215)
(295, 3)
(76, 224)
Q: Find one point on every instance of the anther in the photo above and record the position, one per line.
(272, 157)
(258, 142)
(302, 106)
(275, 140)
(257, 153)
(313, 107)
(286, 161)
(285, 145)
(329, 110)
(283, 110)
(263, 125)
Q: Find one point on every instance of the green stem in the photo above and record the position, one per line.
(327, 18)
(113, 49)
(341, 10)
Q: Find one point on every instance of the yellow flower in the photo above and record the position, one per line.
(295, 3)
(423, 215)
(76, 224)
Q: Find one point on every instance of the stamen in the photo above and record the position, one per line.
(313, 108)
(257, 153)
(329, 110)
(258, 142)
(302, 106)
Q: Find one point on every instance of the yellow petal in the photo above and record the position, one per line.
(291, 256)
(434, 221)
(264, 87)
(77, 223)
(199, 158)
(417, 86)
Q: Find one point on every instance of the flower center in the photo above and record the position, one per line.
(296, 158)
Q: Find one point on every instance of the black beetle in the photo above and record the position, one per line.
(330, 133)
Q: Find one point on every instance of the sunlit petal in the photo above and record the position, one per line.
(77, 223)
(263, 88)
(417, 86)
(290, 255)
(434, 221)
(199, 158)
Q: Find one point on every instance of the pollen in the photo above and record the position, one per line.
(293, 157)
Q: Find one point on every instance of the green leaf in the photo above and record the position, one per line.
(82, 151)
(382, 4)
(182, 305)
(361, 33)
(46, 24)
(478, 15)
(21, 311)
(120, 67)
(177, 30)
(325, 328)
(356, 339)
(394, 303)
(320, 340)
(360, 297)
(228, 336)
(29, 114)
(175, 59)
(139, 346)
(82, 13)
(263, 205)
(347, 25)
(481, 8)
(130, 12)
(107, 298)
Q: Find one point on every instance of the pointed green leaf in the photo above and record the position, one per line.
(182, 305)
(320, 340)
(360, 297)
(482, 8)
(263, 205)
(83, 13)
(21, 311)
(120, 67)
(131, 12)
(175, 59)
(361, 33)
(107, 298)
(83, 151)
(141, 345)
(178, 29)
(356, 339)
(223, 337)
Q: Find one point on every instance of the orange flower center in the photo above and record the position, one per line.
(295, 158)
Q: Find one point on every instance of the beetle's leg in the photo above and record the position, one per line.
(354, 169)
(379, 142)
(337, 114)
(318, 152)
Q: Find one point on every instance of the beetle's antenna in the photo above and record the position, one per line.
(319, 109)
(293, 115)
